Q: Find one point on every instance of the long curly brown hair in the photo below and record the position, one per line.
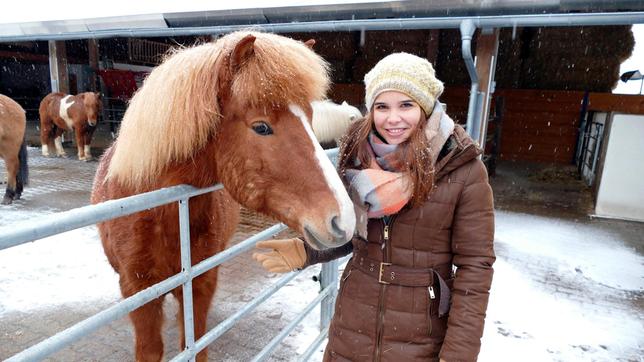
(414, 154)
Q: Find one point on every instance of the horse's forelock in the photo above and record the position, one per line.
(281, 71)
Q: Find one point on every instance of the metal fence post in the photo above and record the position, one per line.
(186, 266)
(328, 276)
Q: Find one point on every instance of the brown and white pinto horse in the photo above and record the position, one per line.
(236, 111)
(13, 149)
(61, 112)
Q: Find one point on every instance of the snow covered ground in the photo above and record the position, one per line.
(566, 287)
(562, 290)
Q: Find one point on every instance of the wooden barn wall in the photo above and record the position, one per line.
(537, 125)
(542, 125)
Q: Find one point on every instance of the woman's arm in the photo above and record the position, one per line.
(322, 256)
(473, 250)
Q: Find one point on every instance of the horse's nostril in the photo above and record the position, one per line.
(335, 227)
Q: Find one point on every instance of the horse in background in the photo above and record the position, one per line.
(61, 112)
(13, 148)
(331, 120)
(226, 112)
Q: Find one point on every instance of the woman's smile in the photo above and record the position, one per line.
(395, 116)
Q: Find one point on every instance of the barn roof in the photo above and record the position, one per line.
(23, 21)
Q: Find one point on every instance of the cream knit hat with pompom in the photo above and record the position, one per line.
(404, 73)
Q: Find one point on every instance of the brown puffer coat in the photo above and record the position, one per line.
(375, 321)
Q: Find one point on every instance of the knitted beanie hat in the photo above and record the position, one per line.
(404, 73)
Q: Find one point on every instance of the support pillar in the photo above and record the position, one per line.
(92, 48)
(487, 47)
(58, 66)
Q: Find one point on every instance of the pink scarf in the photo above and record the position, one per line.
(381, 187)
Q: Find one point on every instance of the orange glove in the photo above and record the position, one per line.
(287, 255)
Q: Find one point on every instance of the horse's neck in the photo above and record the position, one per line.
(199, 171)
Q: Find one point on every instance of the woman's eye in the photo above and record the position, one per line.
(381, 107)
(262, 128)
(407, 105)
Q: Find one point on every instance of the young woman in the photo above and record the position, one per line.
(417, 285)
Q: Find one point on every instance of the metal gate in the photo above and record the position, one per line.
(92, 214)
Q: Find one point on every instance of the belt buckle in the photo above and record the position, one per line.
(382, 269)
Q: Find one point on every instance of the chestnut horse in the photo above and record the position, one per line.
(236, 111)
(61, 112)
(13, 149)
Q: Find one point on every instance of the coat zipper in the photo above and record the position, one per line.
(432, 296)
(386, 232)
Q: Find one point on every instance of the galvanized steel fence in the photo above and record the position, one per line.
(76, 218)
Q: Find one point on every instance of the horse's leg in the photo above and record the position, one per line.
(22, 177)
(80, 143)
(89, 132)
(58, 141)
(147, 321)
(46, 130)
(203, 289)
(11, 163)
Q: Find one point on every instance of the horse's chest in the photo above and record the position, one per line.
(63, 110)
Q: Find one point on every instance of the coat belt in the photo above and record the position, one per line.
(387, 273)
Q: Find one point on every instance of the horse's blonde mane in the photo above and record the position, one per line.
(176, 112)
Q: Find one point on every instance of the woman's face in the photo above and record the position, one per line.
(395, 116)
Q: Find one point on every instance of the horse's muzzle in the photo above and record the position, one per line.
(339, 238)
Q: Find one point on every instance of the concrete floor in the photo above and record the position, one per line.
(62, 184)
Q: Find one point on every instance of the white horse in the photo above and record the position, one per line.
(331, 120)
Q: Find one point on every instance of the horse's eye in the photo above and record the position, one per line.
(262, 128)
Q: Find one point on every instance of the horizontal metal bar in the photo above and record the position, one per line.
(40, 227)
(493, 21)
(233, 251)
(80, 217)
(119, 310)
(306, 356)
(289, 328)
(224, 326)
(89, 325)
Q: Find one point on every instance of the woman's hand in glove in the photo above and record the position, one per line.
(286, 255)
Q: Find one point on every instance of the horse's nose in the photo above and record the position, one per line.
(338, 231)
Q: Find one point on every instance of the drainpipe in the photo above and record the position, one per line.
(467, 31)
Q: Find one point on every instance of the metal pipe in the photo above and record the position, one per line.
(328, 277)
(82, 329)
(76, 218)
(467, 31)
(224, 326)
(39, 228)
(85, 327)
(261, 356)
(306, 356)
(186, 267)
(497, 21)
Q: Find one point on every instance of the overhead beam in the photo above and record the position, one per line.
(498, 21)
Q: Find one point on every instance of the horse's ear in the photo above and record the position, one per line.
(310, 43)
(243, 50)
(98, 94)
(344, 103)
